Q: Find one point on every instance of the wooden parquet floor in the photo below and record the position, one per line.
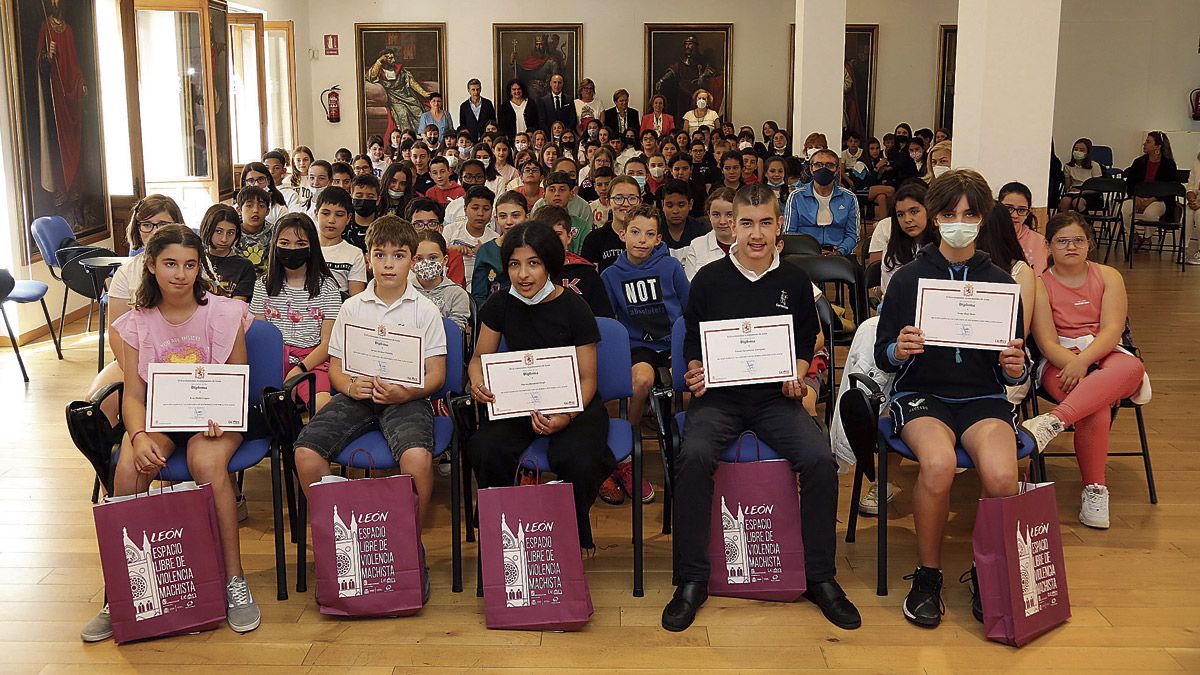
(1134, 587)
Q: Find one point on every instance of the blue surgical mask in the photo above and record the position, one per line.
(641, 181)
(537, 297)
(775, 183)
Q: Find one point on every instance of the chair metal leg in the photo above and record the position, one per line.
(91, 305)
(638, 590)
(1146, 454)
(281, 590)
(467, 497)
(289, 486)
(668, 459)
(455, 519)
(302, 544)
(96, 490)
(62, 314)
(881, 478)
(479, 571)
(56, 339)
(13, 339)
(855, 493)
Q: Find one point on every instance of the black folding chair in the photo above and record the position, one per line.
(800, 244)
(1172, 194)
(1106, 220)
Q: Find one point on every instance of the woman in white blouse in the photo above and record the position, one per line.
(701, 114)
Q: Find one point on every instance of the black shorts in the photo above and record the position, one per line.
(655, 359)
(958, 415)
(256, 427)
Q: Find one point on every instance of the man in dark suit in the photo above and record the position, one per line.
(476, 111)
(621, 117)
(558, 105)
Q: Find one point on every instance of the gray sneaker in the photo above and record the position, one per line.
(242, 512)
(99, 628)
(241, 611)
(1043, 428)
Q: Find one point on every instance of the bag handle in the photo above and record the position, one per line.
(737, 449)
(532, 465)
(370, 458)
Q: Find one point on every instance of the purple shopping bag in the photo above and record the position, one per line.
(367, 546)
(1019, 563)
(532, 565)
(754, 548)
(160, 553)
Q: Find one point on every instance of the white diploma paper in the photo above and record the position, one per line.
(748, 351)
(545, 380)
(185, 396)
(977, 315)
(386, 352)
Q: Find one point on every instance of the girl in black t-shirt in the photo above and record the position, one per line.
(220, 229)
(535, 314)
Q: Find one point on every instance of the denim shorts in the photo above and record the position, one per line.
(343, 419)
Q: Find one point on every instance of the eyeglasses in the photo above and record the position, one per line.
(624, 199)
(817, 166)
(531, 170)
(1021, 211)
(149, 226)
(425, 224)
(261, 181)
(1067, 242)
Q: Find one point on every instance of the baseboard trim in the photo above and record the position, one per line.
(41, 330)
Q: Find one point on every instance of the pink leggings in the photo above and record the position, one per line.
(1089, 407)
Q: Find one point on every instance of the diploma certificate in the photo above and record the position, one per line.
(545, 380)
(977, 315)
(748, 351)
(185, 396)
(386, 352)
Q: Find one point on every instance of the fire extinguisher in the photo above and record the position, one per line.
(333, 109)
(1196, 104)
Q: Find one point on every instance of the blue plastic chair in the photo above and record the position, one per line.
(671, 425)
(264, 353)
(614, 382)
(49, 233)
(23, 292)
(371, 452)
(872, 437)
(1103, 155)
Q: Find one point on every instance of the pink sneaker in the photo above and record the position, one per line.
(624, 478)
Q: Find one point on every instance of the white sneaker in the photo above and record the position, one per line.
(1093, 512)
(242, 512)
(869, 503)
(240, 610)
(99, 628)
(1043, 428)
(1193, 259)
(443, 467)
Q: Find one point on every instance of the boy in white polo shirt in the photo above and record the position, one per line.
(364, 403)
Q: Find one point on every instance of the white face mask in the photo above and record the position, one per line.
(939, 170)
(657, 172)
(1078, 155)
(959, 234)
(537, 297)
(464, 152)
(486, 162)
(808, 153)
(521, 146)
(744, 145)
(916, 156)
(701, 103)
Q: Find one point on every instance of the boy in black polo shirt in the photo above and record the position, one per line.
(752, 282)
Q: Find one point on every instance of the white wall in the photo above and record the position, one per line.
(613, 40)
(1125, 68)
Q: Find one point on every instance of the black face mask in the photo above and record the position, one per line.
(292, 258)
(364, 207)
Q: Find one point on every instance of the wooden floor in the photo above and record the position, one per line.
(1133, 587)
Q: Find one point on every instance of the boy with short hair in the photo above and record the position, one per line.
(679, 227)
(276, 165)
(600, 206)
(341, 174)
(425, 214)
(254, 203)
(402, 413)
(560, 192)
(345, 260)
(418, 154)
(681, 169)
(579, 274)
(364, 197)
(470, 173)
(474, 231)
(444, 187)
(343, 155)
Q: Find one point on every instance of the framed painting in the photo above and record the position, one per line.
(399, 66)
(54, 96)
(858, 88)
(947, 57)
(535, 52)
(683, 57)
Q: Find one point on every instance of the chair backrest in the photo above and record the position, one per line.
(49, 233)
(1102, 154)
(264, 353)
(1160, 189)
(800, 244)
(860, 420)
(7, 283)
(614, 363)
(838, 270)
(874, 275)
(454, 359)
(678, 362)
(1105, 185)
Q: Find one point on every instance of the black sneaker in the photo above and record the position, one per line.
(969, 577)
(923, 606)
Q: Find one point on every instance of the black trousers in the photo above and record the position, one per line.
(578, 454)
(714, 422)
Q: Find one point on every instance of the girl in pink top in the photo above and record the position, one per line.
(177, 319)
(1018, 199)
(1078, 319)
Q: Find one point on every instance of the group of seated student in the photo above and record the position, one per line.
(539, 230)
